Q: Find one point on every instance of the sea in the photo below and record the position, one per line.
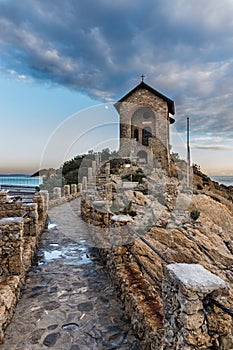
(19, 180)
(28, 181)
(225, 180)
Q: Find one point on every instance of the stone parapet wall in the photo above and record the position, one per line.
(9, 295)
(11, 246)
(31, 219)
(20, 229)
(11, 210)
(70, 192)
(45, 195)
(95, 216)
(42, 208)
(3, 196)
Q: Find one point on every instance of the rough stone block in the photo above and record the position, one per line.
(187, 324)
(56, 193)
(196, 278)
(66, 190)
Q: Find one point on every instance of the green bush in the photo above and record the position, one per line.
(195, 214)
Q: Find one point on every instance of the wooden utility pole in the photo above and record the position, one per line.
(188, 155)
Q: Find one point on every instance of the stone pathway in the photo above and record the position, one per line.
(68, 302)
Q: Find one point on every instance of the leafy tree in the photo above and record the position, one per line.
(105, 154)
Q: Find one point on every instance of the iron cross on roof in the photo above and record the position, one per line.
(142, 76)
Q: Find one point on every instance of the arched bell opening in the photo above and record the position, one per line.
(143, 125)
(146, 134)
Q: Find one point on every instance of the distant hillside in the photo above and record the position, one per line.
(45, 172)
(219, 192)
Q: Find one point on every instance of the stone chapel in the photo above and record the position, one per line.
(145, 125)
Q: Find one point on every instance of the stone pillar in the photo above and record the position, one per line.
(66, 190)
(80, 188)
(188, 323)
(3, 197)
(11, 246)
(56, 192)
(73, 189)
(89, 175)
(84, 183)
(31, 219)
(94, 168)
(40, 207)
(120, 233)
(98, 158)
(107, 169)
(108, 187)
(45, 195)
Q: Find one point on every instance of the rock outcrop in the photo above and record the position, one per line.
(194, 227)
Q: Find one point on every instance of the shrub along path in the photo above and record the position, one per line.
(68, 302)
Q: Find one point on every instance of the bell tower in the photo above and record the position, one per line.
(145, 124)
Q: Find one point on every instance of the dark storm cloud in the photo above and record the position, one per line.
(78, 44)
(183, 47)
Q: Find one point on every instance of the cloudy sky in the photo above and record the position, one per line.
(60, 57)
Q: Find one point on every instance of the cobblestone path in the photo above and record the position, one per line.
(68, 302)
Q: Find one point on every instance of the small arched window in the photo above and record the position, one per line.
(142, 155)
(146, 134)
(135, 134)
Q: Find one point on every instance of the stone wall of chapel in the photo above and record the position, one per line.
(143, 97)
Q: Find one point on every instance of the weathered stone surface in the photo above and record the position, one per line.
(75, 347)
(196, 278)
(219, 323)
(121, 218)
(11, 221)
(192, 322)
(36, 336)
(189, 306)
(51, 339)
(196, 339)
(87, 306)
(3, 196)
